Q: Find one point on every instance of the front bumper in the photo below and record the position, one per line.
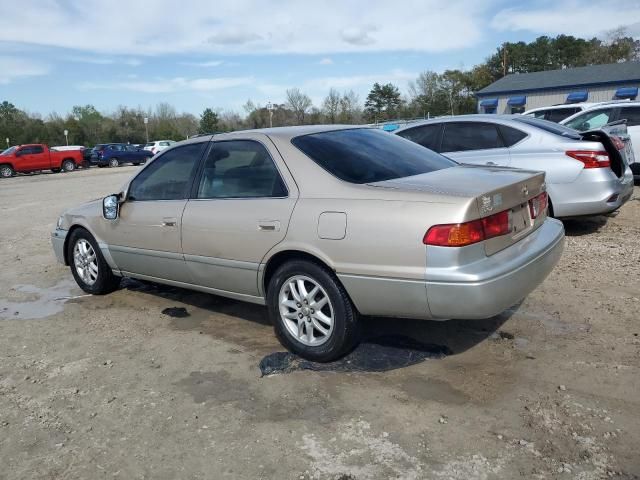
(490, 285)
(58, 237)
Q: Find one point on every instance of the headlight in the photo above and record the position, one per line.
(60, 222)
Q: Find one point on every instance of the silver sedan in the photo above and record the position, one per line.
(587, 173)
(321, 224)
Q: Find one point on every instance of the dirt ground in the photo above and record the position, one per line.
(109, 387)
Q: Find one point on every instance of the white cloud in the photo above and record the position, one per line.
(169, 85)
(98, 60)
(325, 61)
(570, 17)
(14, 68)
(246, 26)
(211, 63)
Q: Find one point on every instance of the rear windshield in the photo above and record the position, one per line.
(548, 126)
(369, 155)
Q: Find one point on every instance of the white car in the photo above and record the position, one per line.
(158, 145)
(604, 113)
(557, 113)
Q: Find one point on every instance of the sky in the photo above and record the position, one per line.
(197, 53)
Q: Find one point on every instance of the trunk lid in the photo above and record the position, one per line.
(493, 190)
(619, 159)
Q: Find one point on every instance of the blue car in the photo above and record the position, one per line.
(115, 154)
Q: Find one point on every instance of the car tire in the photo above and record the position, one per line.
(334, 326)
(114, 162)
(88, 266)
(6, 171)
(68, 166)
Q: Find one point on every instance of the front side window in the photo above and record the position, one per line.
(465, 136)
(26, 150)
(169, 176)
(240, 169)
(631, 115)
(366, 155)
(427, 135)
(538, 114)
(590, 120)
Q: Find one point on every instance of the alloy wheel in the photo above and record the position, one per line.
(306, 310)
(85, 261)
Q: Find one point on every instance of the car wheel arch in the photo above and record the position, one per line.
(73, 228)
(282, 256)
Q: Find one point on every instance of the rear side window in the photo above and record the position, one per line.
(510, 135)
(427, 135)
(559, 114)
(465, 136)
(169, 176)
(240, 169)
(37, 149)
(631, 115)
(369, 155)
(591, 119)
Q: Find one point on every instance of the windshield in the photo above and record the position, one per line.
(9, 151)
(369, 155)
(548, 126)
(590, 119)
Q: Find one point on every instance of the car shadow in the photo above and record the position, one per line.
(576, 227)
(386, 343)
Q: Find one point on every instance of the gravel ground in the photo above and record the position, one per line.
(109, 387)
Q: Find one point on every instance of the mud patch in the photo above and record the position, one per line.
(434, 390)
(176, 312)
(218, 386)
(42, 303)
(380, 354)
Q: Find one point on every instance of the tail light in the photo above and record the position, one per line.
(538, 204)
(591, 158)
(153, 150)
(463, 234)
(617, 142)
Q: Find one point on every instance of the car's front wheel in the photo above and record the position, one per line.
(114, 162)
(311, 311)
(6, 171)
(88, 266)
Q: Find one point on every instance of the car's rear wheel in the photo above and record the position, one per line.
(114, 162)
(88, 266)
(68, 166)
(6, 171)
(311, 311)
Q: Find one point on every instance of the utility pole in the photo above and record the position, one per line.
(66, 136)
(270, 108)
(504, 61)
(146, 127)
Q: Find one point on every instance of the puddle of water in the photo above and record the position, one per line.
(380, 354)
(47, 301)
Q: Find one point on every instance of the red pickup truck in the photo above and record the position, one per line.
(36, 157)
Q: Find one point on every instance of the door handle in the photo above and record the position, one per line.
(169, 222)
(493, 164)
(269, 225)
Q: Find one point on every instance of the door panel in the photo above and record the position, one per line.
(224, 240)
(145, 239)
(244, 198)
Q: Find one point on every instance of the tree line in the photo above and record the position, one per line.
(430, 94)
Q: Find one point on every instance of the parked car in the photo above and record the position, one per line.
(557, 113)
(37, 157)
(322, 224)
(158, 145)
(115, 154)
(605, 113)
(586, 173)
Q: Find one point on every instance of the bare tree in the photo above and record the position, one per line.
(331, 106)
(299, 103)
(350, 109)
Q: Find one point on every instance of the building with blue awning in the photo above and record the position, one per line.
(518, 92)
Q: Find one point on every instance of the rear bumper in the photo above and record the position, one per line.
(58, 237)
(595, 192)
(492, 284)
(463, 282)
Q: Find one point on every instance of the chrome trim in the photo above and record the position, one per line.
(222, 262)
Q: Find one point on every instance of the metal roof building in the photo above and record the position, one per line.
(518, 92)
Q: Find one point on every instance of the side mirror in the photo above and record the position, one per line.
(110, 207)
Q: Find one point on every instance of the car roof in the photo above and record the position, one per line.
(472, 117)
